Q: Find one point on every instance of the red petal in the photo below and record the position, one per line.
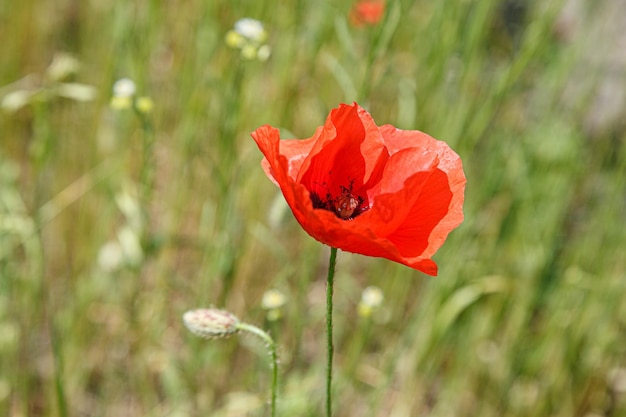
(413, 235)
(439, 208)
(277, 166)
(297, 150)
(398, 139)
(404, 176)
(267, 139)
(348, 151)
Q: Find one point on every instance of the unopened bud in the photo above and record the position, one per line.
(211, 322)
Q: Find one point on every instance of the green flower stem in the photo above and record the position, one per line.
(329, 328)
(271, 347)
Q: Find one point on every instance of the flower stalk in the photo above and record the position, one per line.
(329, 328)
(271, 348)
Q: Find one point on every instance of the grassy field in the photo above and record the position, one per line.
(114, 222)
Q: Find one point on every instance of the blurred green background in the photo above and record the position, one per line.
(114, 222)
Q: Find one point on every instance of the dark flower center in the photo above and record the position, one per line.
(346, 205)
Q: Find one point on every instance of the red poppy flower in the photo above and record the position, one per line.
(367, 12)
(377, 191)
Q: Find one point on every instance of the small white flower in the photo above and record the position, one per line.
(62, 66)
(251, 29)
(372, 296)
(76, 91)
(128, 204)
(273, 299)
(234, 39)
(110, 256)
(43, 88)
(15, 100)
(249, 51)
(131, 246)
(371, 299)
(145, 105)
(124, 87)
(264, 52)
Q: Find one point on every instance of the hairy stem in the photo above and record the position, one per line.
(271, 348)
(329, 328)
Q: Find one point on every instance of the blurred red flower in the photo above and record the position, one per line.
(377, 191)
(367, 12)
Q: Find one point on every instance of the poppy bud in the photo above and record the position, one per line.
(211, 322)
